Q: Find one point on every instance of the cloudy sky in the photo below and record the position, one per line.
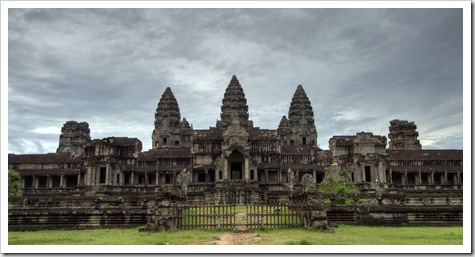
(360, 69)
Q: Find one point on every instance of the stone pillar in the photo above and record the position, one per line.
(432, 178)
(459, 182)
(36, 182)
(61, 182)
(225, 168)
(156, 178)
(132, 178)
(246, 169)
(22, 179)
(267, 175)
(79, 179)
(49, 182)
(390, 179)
(446, 181)
(255, 175)
(419, 178)
(404, 178)
(314, 176)
(207, 175)
(108, 171)
(88, 176)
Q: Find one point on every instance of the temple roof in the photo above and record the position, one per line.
(425, 155)
(151, 155)
(263, 134)
(42, 158)
(56, 171)
(212, 134)
(426, 169)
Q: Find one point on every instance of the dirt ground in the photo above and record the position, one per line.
(240, 236)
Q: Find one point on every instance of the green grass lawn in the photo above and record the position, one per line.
(360, 235)
(343, 235)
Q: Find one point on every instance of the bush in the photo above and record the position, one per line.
(14, 183)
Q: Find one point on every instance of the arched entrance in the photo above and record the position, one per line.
(236, 164)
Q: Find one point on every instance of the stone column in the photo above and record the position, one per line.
(267, 175)
(79, 179)
(22, 182)
(255, 175)
(446, 181)
(246, 169)
(314, 176)
(108, 170)
(88, 176)
(35, 182)
(156, 178)
(390, 179)
(61, 182)
(132, 178)
(432, 178)
(207, 175)
(419, 178)
(225, 168)
(49, 183)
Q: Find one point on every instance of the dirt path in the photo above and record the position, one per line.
(240, 236)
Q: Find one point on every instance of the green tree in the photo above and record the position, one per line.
(14, 183)
(337, 181)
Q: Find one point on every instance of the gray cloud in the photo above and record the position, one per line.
(109, 67)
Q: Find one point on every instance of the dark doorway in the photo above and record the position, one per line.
(201, 177)
(102, 178)
(28, 182)
(396, 178)
(367, 173)
(236, 162)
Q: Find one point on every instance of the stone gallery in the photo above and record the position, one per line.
(234, 161)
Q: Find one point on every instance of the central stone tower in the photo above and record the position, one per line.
(235, 126)
(299, 128)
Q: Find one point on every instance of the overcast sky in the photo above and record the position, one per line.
(360, 69)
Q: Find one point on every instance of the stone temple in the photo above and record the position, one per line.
(234, 154)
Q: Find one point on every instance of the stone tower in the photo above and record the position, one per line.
(234, 105)
(299, 128)
(74, 135)
(403, 136)
(169, 130)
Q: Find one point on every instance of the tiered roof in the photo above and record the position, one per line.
(234, 104)
(168, 112)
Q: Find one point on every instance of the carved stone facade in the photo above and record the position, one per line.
(74, 135)
(236, 153)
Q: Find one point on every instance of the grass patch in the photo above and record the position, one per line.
(343, 235)
(362, 235)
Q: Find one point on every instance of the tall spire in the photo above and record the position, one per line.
(234, 104)
(168, 112)
(301, 119)
(300, 111)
